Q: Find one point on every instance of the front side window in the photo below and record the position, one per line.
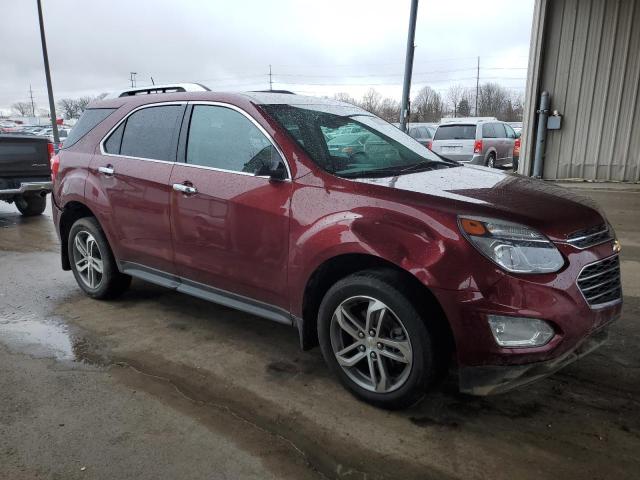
(511, 133)
(350, 142)
(150, 133)
(223, 138)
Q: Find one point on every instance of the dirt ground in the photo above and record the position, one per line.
(161, 385)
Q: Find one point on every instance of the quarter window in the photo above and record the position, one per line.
(500, 131)
(220, 137)
(151, 132)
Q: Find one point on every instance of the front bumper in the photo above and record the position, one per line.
(492, 379)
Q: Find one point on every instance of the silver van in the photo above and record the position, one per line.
(478, 140)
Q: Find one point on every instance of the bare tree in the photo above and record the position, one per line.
(69, 108)
(22, 108)
(389, 110)
(492, 100)
(427, 106)
(371, 101)
(345, 97)
(455, 95)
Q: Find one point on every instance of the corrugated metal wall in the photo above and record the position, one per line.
(591, 68)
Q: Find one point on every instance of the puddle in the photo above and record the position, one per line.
(38, 338)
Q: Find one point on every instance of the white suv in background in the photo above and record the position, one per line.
(480, 140)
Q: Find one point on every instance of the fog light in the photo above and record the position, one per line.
(520, 331)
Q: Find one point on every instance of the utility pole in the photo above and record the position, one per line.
(477, 86)
(45, 56)
(33, 105)
(408, 66)
(132, 79)
(270, 79)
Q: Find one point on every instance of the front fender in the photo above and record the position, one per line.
(395, 237)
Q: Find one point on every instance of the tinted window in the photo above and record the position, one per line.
(151, 133)
(87, 122)
(112, 145)
(488, 131)
(455, 132)
(222, 138)
(500, 131)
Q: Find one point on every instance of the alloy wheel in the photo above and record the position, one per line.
(371, 344)
(87, 259)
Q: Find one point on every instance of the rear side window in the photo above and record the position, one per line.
(500, 131)
(222, 138)
(488, 131)
(455, 132)
(87, 122)
(151, 133)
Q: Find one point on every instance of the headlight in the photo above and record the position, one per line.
(520, 331)
(512, 246)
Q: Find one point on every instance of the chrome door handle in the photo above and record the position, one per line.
(186, 189)
(108, 170)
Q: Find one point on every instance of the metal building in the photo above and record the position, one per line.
(586, 54)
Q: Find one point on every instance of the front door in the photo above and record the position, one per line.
(230, 227)
(132, 201)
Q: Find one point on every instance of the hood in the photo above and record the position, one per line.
(473, 190)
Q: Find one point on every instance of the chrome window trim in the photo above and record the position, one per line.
(124, 119)
(256, 124)
(196, 102)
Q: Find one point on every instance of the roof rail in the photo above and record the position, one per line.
(468, 119)
(168, 88)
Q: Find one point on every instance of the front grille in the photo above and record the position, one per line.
(591, 236)
(600, 281)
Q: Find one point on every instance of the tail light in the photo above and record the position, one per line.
(516, 148)
(428, 144)
(477, 146)
(55, 166)
(51, 150)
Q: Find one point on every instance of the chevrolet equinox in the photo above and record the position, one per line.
(397, 262)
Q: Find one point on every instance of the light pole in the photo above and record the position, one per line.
(45, 56)
(408, 66)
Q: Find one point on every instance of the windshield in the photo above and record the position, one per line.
(350, 142)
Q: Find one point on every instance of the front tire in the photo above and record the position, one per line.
(31, 205)
(92, 261)
(375, 341)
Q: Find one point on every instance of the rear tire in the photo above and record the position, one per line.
(92, 261)
(382, 375)
(491, 161)
(31, 205)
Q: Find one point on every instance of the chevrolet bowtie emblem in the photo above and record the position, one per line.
(616, 246)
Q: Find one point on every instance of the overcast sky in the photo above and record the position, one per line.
(317, 48)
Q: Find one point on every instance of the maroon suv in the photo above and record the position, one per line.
(319, 215)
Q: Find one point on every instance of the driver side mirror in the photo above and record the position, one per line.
(271, 166)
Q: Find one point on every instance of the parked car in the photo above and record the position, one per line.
(480, 141)
(395, 261)
(517, 127)
(422, 132)
(25, 175)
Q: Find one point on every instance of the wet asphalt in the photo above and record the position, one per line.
(159, 385)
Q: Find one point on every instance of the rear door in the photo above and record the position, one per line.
(455, 141)
(132, 169)
(231, 232)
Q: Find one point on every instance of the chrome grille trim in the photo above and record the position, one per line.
(599, 282)
(590, 237)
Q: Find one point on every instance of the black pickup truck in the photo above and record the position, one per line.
(25, 172)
